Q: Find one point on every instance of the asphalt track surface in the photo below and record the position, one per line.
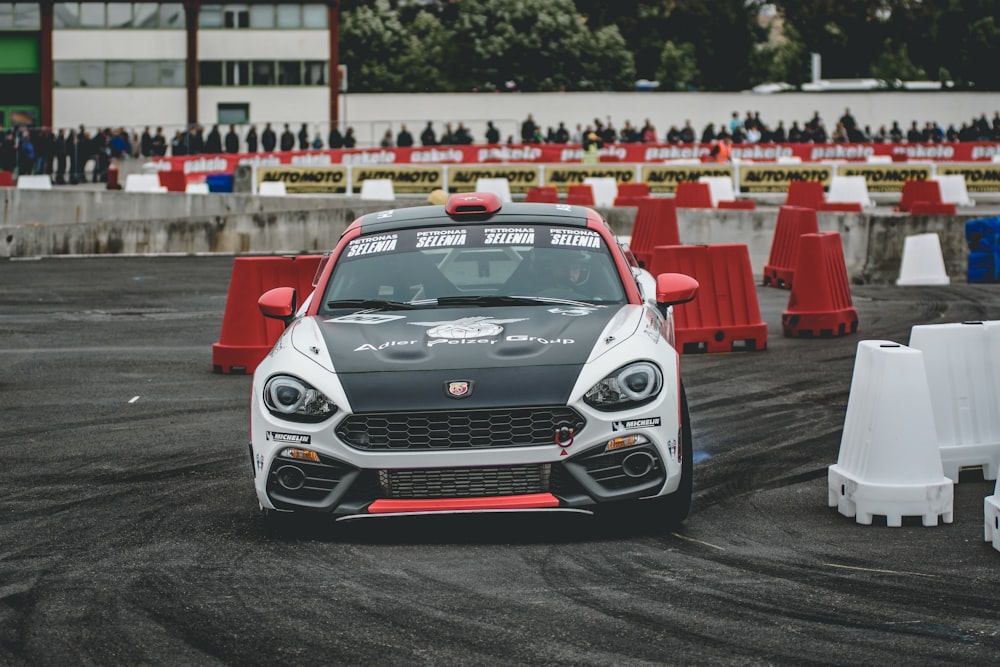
(129, 533)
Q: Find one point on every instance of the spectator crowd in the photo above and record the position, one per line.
(65, 154)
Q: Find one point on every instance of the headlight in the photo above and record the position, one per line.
(627, 387)
(291, 398)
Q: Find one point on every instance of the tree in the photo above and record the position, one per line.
(608, 64)
(678, 67)
(372, 41)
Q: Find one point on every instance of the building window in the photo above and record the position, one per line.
(210, 16)
(290, 73)
(314, 16)
(236, 17)
(315, 73)
(233, 113)
(262, 17)
(65, 74)
(92, 74)
(172, 74)
(146, 74)
(210, 73)
(237, 73)
(119, 74)
(146, 15)
(172, 15)
(289, 16)
(91, 15)
(119, 15)
(263, 73)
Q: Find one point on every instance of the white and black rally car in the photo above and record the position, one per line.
(477, 356)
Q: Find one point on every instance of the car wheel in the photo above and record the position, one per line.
(666, 512)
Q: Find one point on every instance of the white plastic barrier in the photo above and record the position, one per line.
(605, 190)
(788, 159)
(143, 183)
(720, 188)
(889, 463)
(963, 371)
(849, 190)
(991, 508)
(196, 188)
(498, 186)
(272, 189)
(953, 190)
(377, 188)
(922, 263)
(34, 182)
(879, 159)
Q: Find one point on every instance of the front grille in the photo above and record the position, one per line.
(464, 482)
(458, 429)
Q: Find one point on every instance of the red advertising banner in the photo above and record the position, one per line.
(569, 153)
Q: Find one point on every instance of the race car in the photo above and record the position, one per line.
(479, 356)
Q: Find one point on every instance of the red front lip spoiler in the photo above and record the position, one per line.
(529, 501)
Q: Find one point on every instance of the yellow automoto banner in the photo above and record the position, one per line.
(886, 177)
(663, 179)
(306, 180)
(764, 178)
(979, 177)
(563, 176)
(405, 180)
(520, 177)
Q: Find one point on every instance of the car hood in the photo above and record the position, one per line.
(407, 360)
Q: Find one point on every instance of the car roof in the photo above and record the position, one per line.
(509, 213)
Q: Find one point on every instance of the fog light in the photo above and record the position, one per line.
(291, 478)
(638, 464)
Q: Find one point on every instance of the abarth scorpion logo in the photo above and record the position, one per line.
(465, 328)
(458, 388)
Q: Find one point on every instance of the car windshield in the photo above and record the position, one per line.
(474, 265)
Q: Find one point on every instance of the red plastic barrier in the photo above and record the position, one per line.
(725, 317)
(692, 194)
(793, 222)
(807, 194)
(841, 206)
(932, 208)
(655, 225)
(922, 191)
(543, 194)
(247, 336)
(820, 304)
(581, 194)
(6, 179)
(173, 181)
(737, 204)
(630, 194)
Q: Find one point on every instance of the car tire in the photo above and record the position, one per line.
(665, 512)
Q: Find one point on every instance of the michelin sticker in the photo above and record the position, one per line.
(630, 424)
(289, 438)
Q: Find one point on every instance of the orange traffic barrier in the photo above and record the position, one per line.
(737, 204)
(692, 194)
(807, 194)
(726, 317)
(543, 194)
(793, 222)
(919, 191)
(581, 194)
(820, 304)
(932, 208)
(173, 181)
(630, 194)
(247, 336)
(655, 225)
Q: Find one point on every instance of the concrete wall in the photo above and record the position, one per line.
(97, 222)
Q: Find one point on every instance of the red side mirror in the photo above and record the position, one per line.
(278, 303)
(674, 288)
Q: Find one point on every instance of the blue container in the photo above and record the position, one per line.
(219, 182)
(983, 235)
(983, 267)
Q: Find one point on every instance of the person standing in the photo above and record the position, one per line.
(428, 137)
(492, 133)
(159, 143)
(232, 140)
(404, 139)
(59, 149)
(268, 140)
(349, 140)
(336, 138)
(528, 129)
(252, 139)
(287, 139)
(146, 143)
(303, 138)
(213, 143)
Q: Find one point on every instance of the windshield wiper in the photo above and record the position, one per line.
(505, 300)
(371, 304)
